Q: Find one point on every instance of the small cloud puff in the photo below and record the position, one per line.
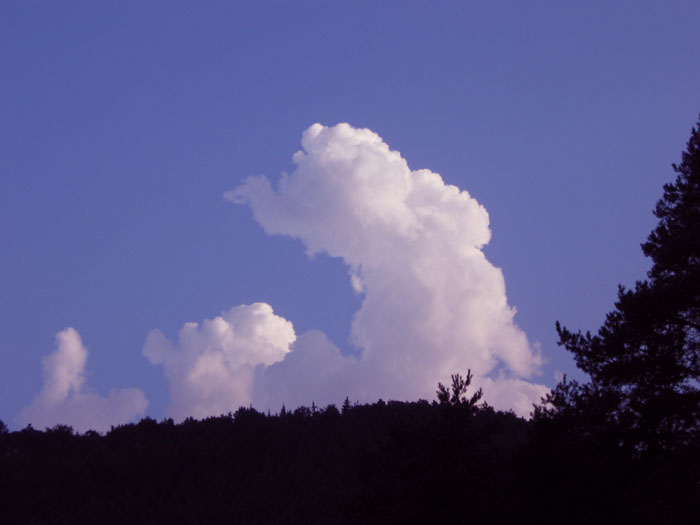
(210, 368)
(65, 398)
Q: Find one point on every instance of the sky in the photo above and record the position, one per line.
(208, 205)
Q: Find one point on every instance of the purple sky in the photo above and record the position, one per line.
(121, 127)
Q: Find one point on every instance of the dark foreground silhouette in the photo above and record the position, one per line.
(389, 462)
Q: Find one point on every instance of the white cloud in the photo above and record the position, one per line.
(210, 369)
(313, 371)
(512, 393)
(66, 399)
(433, 304)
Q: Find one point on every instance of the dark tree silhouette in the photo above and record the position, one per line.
(385, 462)
(457, 394)
(644, 363)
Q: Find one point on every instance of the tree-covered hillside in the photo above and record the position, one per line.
(389, 462)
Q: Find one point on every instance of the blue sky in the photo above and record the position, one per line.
(122, 125)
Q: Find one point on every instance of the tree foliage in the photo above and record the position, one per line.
(456, 395)
(386, 462)
(644, 362)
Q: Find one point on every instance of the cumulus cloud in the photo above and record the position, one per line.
(432, 304)
(313, 371)
(211, 367)
(65, 398)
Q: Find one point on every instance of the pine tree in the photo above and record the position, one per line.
(456, 395)
(644, 362)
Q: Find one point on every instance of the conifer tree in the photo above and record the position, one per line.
(644, 362)
(456, 395)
